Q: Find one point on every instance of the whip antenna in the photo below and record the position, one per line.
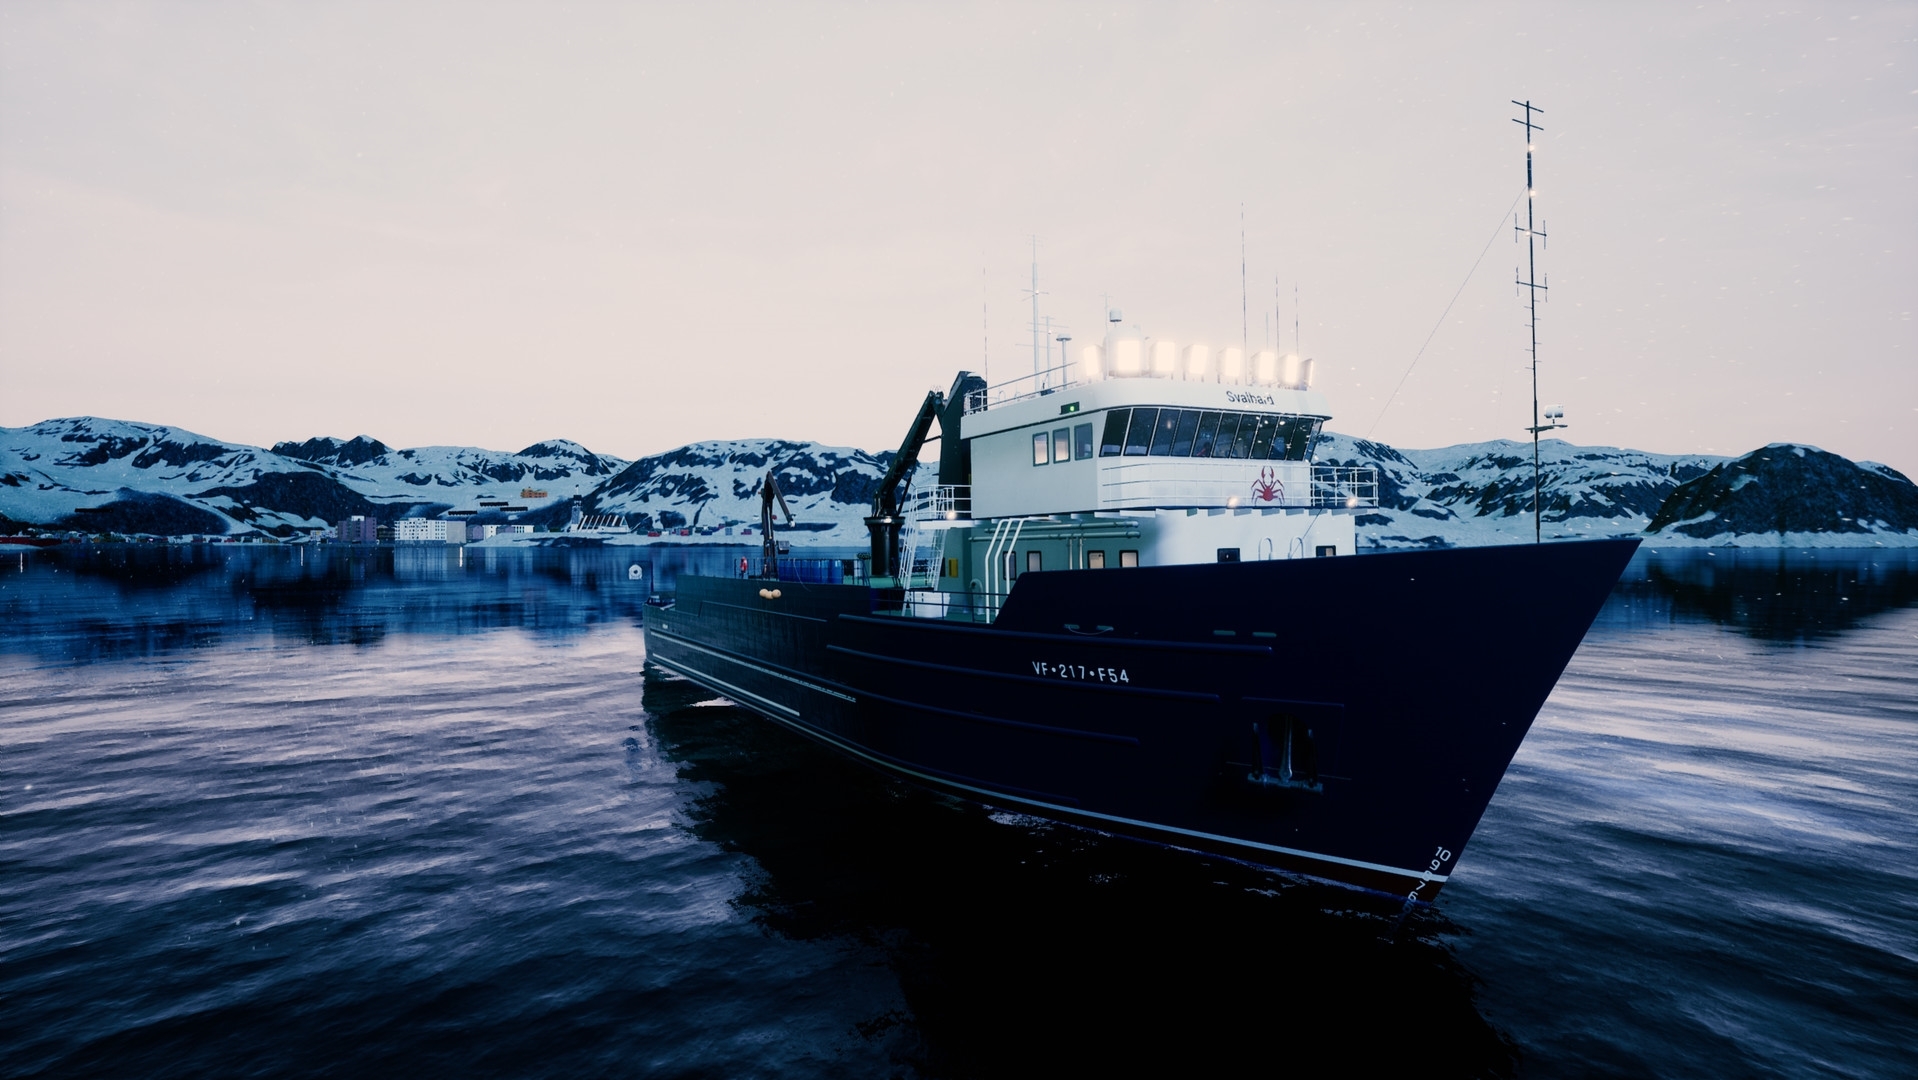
(1533, 284)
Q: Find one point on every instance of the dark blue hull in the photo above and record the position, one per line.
(1345, 718)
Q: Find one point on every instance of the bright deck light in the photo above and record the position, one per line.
(1265, 366)
(1165, 359)
(1089, 362)
(1232, 364)
(1292, 371)
(1128, 357)
(1198, 361)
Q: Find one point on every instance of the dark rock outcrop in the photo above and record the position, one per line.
(145, 512)
(1784, 488)
(301, 495)
(325, 450)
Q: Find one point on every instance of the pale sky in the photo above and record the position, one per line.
(638, 225)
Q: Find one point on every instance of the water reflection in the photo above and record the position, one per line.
(1028, 949)
(1768, 594)
(86, 603)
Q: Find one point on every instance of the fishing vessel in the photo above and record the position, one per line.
(1134, 601)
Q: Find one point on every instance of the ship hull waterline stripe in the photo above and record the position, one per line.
(1018, 725)
(990, 795)
(757, 667)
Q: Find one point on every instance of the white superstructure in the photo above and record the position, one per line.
(1139, 452)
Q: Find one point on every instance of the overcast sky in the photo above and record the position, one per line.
(639, 225)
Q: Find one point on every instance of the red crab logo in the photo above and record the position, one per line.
(1268, 487)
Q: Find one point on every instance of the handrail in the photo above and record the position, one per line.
(981, 400)
(1347, 486)
(947, 502)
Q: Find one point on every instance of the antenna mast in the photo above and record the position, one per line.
(1534, 237)
(985, 325)
(1039, 349)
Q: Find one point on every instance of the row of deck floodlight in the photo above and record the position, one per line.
(1150, 358)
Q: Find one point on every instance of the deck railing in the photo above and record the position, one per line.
(1050, 381)
(1345, 485)
(946, 502)
(973, 606)
(805, 571)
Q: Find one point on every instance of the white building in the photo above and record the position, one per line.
(429, 531)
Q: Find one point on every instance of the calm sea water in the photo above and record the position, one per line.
(274, 812)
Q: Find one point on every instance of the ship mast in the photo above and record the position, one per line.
(1534, 237)
(1041, 348)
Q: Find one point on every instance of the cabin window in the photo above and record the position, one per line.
(1041, 449)
(1195, 433)
(1305, 432)
(1208, 430)
(1095, 560)
(1281, 437)
(1163, 431)
(1128, 558)
(1008, 566)
(1033, 562)
(1113, 444)
(1138, 436)
(1242, 439)
(1222, 443)
(1262, 438)
(1182, 439)
(1082, 442)
(1326, 551)
(1062, 445)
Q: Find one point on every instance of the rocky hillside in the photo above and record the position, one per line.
(1481, 493)
(1790, 492)
(716, 485)
(97, 476)
(101, 476)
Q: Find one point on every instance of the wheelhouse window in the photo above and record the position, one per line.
(1138, 438)
(1164, 431)
(1262, 438)
(1300, 433)
(1222, 445)
(1113, 444)
(1182, 438)
(1208, 430)
(1242, 439)
(1082, 442)
(1198, 433)
(1062, 445)
(1041, 448)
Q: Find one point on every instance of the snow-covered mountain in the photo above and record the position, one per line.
(369, 461)
(716, 484)
(1481, 493)
(100, 475)
(1801, 495)
(114, 476)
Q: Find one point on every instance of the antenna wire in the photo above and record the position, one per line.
(1499, 228)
